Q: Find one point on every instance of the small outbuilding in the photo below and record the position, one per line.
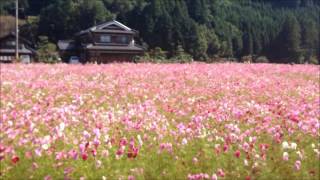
(8, 48)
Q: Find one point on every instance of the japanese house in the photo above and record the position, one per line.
(105, 43)
(8, 49)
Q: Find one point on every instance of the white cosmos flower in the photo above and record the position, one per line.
(45, 146)
(62, 126)
(293, 146)
(299, 154)
(184, 141)
(246, 162)
(140, 140)
(214, 177)
(285, 145)
(285, 156)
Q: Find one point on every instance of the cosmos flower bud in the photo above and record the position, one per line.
(285, 156)
(214, 177)
(195, 160)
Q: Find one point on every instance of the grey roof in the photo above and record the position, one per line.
(114, 31)
(66, 45)
(114, 48)
(21, 39)
(12, 51)
(103, 25)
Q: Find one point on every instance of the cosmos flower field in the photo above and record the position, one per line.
(169, 121)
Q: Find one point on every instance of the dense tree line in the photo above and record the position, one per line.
(281, 30)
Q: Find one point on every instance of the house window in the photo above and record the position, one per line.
(105, 39)
(6, 58)
(10, 43)
(123, 39)
(120, 39)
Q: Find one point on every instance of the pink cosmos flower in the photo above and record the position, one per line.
(38, 152)
(35, 165)
(123, 142)
(94, 152)
(220, 173)
(297, 165)
(28, 154)
(15, 159)
(285, 156)
(237, 153)
(84, 156)
(120, 151)
(132, 152)
(73, 154)
(68, 170)
(60, 155)
(48, 177)
(131, 177)
(105, 153)
(225, 147)
(214, 177)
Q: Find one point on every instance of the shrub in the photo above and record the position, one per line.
(313, 60)
(247, 59)
(261, 59)
(181, 56)
(156, 55)
(47, 52)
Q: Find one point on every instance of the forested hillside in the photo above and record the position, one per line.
(281, 30)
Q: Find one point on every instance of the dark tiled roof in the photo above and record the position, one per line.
(21, 39)
(103, 25)
(114, 48)
(12, 51)
(113, 31)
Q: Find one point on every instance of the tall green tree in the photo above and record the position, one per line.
(93, 11)
(291, 37)
(70, 17)
(310, 39)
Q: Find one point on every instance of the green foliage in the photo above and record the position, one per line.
(261, 59)
(47, 52)
(93, 11)
(8, 6)
(181, 56)
(283, 31)
(247, 59)
(156, 55)
(291, 35)
(314, 60)
(71, 17)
